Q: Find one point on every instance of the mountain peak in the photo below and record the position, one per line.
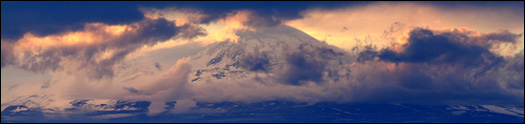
(269, 50)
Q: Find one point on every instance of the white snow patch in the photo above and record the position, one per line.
(501, 110)
(516, 110)
(20, 109)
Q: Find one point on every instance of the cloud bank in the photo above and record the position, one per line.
(452, 65)
(95, 50)
(458, 68)
(421, 65)
(432, 67)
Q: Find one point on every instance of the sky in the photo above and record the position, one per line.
(415, 52)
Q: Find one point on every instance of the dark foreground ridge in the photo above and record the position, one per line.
(274, 111)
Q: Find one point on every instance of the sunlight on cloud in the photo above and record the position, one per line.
(95, 34)
(225, 28)
(222, 29)
(347, 27)
(181, 16)
(115, 62)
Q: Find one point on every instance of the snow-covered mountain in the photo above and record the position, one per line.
(269, 51)
(284, 53)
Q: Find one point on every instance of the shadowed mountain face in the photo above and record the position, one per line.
(276, 111)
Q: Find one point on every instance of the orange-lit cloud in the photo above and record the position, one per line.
(75, 58)
(226, 28)
(97, 47)
(218, 30)
(181, 16)
(94, 33)
(102, 45)
(378, 23)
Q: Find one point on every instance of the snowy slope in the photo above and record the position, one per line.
(261, 51)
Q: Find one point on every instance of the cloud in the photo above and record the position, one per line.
(5, 53)
(453, 47)
(259, 61)
(190, 21)
(190, 31)
(169, 86)
(426, 84)
(422, 65)
(367, 54)
(334, 79)
(448, 47)
(453, 66)
(273, 13)
(368, 22)
(46, 18)
(461, 70)
(446, 66)
(308, 63)
(131, 89)
(95, 49)
(266, 13)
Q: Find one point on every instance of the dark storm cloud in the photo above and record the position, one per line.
(513, 5)
(51, 17)
(367, 54)
(267, 13)
(425, 46)
(256, 62)
(302, 67)
(444, 66)
(307, 64)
